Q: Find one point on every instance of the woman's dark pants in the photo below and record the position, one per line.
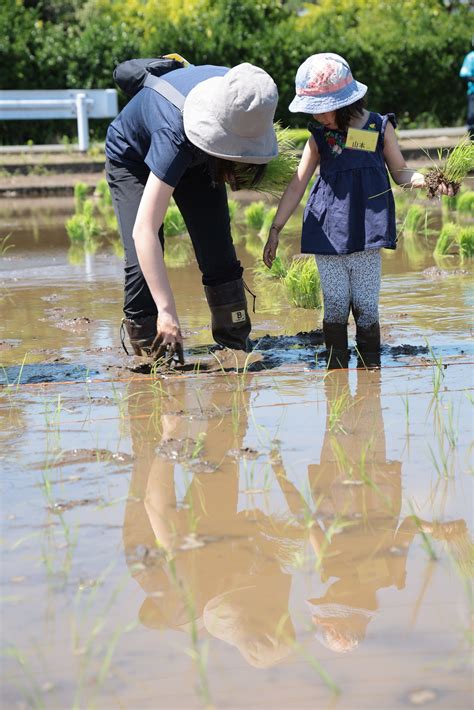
(205, 212)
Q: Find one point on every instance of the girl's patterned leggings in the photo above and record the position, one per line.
(351, 280)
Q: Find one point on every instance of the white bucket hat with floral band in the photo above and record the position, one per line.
(324, 82)
(231, 116)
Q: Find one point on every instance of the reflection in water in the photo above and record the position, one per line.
(204, 563)
(208, 566)
(359, 539)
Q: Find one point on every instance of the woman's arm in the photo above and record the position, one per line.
(150, 216)
(291, 198)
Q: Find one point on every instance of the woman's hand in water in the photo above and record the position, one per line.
(168, 343)
(270, 248)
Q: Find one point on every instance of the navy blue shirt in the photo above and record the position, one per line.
(351, 206)
(150, 130)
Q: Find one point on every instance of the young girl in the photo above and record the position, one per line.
(350, 214)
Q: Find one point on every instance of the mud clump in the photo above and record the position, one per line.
(58, 316)
(433, 272)
(405, 349)
(61, 506)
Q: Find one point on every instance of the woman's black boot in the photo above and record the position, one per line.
(141, 333)
(230, 320)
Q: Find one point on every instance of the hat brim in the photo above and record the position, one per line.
(205, 132)
(329, 102)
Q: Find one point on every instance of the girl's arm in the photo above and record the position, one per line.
(150, 216)
(396, 163)
(291, 198)
(399, 170)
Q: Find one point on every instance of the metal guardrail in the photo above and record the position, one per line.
(80, 104)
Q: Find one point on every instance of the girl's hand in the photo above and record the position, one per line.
(417, 181)
(168, 343)
(270, 248)
(445, 189)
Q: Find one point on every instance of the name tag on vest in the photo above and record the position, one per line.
(360, 139)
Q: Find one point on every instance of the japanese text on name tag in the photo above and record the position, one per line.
(359, 139)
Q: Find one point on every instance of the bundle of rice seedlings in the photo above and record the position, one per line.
(447, 237)
(278, 172)
(302, 283)
(415, 218)
(465, 201)
(83, 228)
(457, 165)
(173, 223)
(278, 271)
(465, 240)
(255, 215)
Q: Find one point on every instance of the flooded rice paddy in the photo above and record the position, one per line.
(280, 536)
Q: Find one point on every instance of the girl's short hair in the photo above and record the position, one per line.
(345, 114)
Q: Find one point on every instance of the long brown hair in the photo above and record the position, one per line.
(229, 171)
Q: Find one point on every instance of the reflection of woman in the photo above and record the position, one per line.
(154, 151)
(201, 561)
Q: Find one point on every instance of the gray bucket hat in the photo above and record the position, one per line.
(231, 116)
(324, 83)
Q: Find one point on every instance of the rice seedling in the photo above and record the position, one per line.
(255, 215)
(76, 255)
(233, 206)
(446, 239)
(316, 666)
(267, 222)
(102, 192)
(448, 204)
(81, 190)
(414, 220)
(455, 236)
(465, 240)
(83, 228)
(425, 537)
(178, 252)
(302, 283)
(278, 172)
(457, 164)
(4, 246)
(173, 223)
(117, 247)
(465, 201)
(278, 271)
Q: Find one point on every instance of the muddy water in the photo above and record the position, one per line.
(282, 538)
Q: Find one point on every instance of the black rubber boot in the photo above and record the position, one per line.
(141, 333)
(230, 321)
(335, 337)
(368, 346)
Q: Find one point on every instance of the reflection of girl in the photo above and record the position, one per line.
(359, 540)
